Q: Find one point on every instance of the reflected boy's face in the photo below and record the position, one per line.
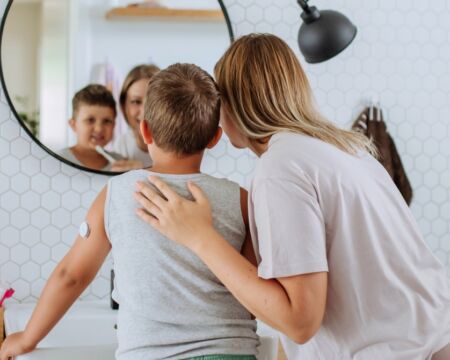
(93, 125)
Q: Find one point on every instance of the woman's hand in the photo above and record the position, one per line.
(125, 165)
(15, 344)
(184, 221)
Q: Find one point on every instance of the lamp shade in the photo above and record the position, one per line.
(324, 35)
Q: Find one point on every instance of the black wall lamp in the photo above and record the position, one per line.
(323, 34)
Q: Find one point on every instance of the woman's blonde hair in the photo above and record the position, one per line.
(266, 91)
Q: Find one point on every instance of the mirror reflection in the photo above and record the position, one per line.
(76, 71)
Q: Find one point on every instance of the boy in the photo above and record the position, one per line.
(171, 305)
(93, 120)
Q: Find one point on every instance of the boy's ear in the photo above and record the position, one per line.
(72, 123)
(215, 139)
(146, 132)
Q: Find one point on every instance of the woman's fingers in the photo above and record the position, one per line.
(151, 194)
(197, 193)
(148, 205)
(148, 218)
(165, 189)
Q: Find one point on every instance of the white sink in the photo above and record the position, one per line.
(87, 332)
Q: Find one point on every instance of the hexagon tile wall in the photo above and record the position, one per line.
(401, 54)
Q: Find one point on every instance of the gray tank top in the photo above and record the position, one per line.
(171, 305)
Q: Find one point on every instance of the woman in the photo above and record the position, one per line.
(342, 267)
(131, 144)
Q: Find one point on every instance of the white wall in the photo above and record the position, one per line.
(401, 53)
(22, 45)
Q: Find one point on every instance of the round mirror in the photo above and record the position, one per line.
(75, 72)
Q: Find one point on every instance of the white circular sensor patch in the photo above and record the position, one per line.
(84, 230)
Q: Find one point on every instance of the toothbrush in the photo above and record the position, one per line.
(8, 293)
(102, 152)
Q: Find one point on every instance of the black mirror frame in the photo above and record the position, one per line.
(21, 122)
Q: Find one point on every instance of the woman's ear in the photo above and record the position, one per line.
(146, 132)
(216, 138)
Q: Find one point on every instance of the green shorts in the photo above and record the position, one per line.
(224, 357)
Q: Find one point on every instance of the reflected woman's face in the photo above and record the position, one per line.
(134, 109)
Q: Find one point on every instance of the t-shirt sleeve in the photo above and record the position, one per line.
(290, 228)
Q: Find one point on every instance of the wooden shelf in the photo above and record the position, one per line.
(164, 13)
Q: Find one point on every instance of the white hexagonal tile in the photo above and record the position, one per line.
(226, 165)
(51, 200)
(30, 165)
(20, 218)
(40, 253)
(40, 218)
(78, 216)
(30, 201)
(30, 236)
(30, 271)
(10, 201)
(71, 200)
(10, 130)
(220, 149)
(69, 170)
(9, 236)
(50, 166)
(100, 287)
(4, 183)
(40, 183)
(20, 254)
(10, 272)
(20, 148)
(423, 163)
(61, 218)
(22, 289)
(439, 227)
(47, 269)
(80, 183)
(38, 152)
(4, 218)
(59, 251)
(10, 165)
(69, 234)
(431, 179)
(51, 236)
(4, 254)
(439, 195)
(60, 183)
(431, 211)
(20, 183)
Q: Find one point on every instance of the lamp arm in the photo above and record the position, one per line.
(304, 5)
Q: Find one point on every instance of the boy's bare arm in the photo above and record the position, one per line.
(69, 279)
(247, 248)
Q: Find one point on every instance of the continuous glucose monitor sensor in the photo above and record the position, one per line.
(84, 230)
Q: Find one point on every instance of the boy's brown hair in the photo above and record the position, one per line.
(93, 94)
(182, 109)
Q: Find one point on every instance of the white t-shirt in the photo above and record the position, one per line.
(127, 147)
(315, 208)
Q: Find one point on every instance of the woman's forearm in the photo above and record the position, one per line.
(266, 299)
(60, 292)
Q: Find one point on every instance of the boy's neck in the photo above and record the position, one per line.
(165, 163)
